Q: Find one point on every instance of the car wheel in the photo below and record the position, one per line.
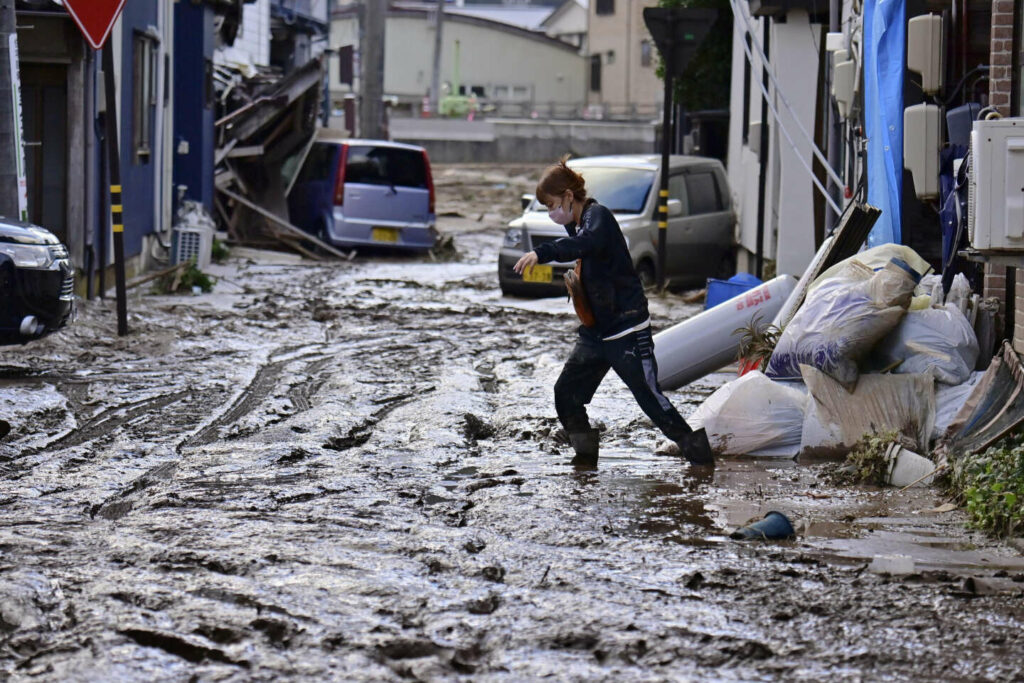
(645, 271)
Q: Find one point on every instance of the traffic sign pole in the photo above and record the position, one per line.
(95, 19)
(666, 148)
(114, 166)
(678, 32)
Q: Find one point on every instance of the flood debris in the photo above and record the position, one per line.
(265, 126)
(774, 526)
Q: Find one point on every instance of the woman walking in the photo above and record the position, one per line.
(617, 336)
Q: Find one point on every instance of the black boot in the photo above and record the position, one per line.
(586, 446)
(696, 448)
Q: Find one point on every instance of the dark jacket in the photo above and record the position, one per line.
(615, 292)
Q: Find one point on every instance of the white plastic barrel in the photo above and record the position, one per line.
(705, 342)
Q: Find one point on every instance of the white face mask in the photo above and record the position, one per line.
(561, 215)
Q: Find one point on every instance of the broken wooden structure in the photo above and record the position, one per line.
(264, 131)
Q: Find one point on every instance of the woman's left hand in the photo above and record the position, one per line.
(527, 260)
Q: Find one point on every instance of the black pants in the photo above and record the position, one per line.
(632, 358)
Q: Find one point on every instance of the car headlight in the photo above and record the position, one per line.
(513, 237)
(28, 255)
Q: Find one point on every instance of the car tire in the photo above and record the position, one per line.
(645, 271)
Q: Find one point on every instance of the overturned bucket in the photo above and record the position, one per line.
(775, 525)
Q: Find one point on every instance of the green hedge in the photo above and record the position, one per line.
(991, 487)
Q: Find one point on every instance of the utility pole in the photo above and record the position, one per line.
(12, 158)
(371, 63)
(435, 78)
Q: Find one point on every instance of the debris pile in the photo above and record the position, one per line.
(265, 127)
(874, 346)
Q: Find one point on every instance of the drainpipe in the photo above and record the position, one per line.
(766, 39)
(833, 121)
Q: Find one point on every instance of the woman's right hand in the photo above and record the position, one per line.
(527, 260)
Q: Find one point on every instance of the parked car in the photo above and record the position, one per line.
(700, 222)
(357, 193)
(37, 282)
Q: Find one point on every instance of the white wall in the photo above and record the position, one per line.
(789, 191)
(490, 57)
(252, 44)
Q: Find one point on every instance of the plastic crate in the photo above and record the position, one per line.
(720, 291)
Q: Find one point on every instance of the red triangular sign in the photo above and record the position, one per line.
(95, 18)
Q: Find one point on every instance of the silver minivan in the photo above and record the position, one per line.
(701, 222)
(357, 193)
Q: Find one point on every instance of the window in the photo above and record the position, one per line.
(623, 190)
(143, 95)
(702, 191)
(386, 166)
(645, 53)
(677, 189)
(595, 73)
(605, 7)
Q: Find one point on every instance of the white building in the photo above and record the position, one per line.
(494, 60)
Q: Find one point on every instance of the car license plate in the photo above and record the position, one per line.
(384, 234)
(537, 274)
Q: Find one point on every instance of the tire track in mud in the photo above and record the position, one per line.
(112, 418)
(258, 389)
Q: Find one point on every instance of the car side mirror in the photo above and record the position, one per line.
(527, 199)
(675, 208)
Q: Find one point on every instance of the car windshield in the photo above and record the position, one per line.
(386, 166)
(622, 190)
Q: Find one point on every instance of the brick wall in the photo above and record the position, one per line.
(1018, 317)
(995, 286)
(1001, 56)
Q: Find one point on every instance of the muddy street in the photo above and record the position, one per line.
(347, 471)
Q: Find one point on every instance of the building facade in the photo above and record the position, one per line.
(622, 61)
(492, 60)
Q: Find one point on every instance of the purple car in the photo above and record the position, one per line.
(365, 193)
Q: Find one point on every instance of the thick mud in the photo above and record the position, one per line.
(348, 472)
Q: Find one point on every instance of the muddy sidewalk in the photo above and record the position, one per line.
(347, 472)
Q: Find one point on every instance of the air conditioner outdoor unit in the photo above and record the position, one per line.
(995, 213)
(192, 236)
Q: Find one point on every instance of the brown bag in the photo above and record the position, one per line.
(574, 285)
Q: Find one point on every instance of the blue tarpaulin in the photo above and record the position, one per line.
(884, 44)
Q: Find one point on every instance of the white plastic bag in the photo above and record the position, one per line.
(876, 258)
(841, 321)
(938, 341)
(753, 415)
(960, 293)
(837, 419)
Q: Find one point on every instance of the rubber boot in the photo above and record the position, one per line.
(586, 446)
(696, 449)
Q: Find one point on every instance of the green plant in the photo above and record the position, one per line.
(219, 252)
(866, 463)
(991, 486)
(757, 342)
(184, 279)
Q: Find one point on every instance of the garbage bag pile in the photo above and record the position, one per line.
(875, 347)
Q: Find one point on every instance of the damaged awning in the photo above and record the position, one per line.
(993, 410)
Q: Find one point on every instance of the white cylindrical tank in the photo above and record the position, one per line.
(705, 342)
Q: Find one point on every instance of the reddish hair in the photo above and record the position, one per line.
(557, 179)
